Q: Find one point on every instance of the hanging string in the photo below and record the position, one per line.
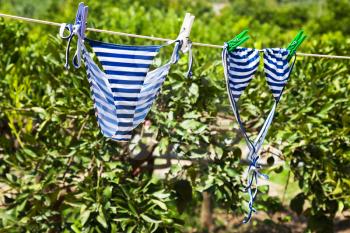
(155, 38)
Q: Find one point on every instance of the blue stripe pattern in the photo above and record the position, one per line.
(123, 94)
(277, 70)
(242, 64)
(149, 92)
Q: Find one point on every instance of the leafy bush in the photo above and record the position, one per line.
(57, 172)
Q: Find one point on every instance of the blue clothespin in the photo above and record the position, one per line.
(81, 19)
(80, 24)
(78, 29)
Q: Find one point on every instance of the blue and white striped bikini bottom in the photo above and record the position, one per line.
(124, 92)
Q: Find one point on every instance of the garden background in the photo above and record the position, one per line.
(182, 170)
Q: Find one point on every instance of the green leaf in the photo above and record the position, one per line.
(194, 90)
(84, 217)
(132, 208)
(338, 189)
(154, 227)
(21, 206)
(231, 172)
(39, 110)
(148, 219)
(29, 152)
(131, 229)
(162, 205)
(102, 220)
(191, 115)
(161, 195)
(163, 145)
(190, 124)
(75, 229)
(107, 192)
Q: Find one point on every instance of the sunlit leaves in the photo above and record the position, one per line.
(59, 174)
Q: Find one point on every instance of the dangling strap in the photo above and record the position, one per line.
(190, 60)
(176, 55)
(253, 169)
(72, 30)
(252, 176)
(78, 28)
(233, 102)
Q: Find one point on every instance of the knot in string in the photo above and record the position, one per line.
(73, 30)
(253, 174)
(175, 56)
(78, 29)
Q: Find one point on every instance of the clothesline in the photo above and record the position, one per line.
(154, 38)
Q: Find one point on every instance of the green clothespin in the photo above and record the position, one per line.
(238, 40)
(296, 42)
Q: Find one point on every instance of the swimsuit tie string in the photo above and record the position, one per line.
(176, 55)
(72, 31)
(190, 60)
(253, 174)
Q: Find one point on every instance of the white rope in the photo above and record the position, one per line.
(155, 38)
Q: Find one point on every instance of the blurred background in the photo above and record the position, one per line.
(182, 171)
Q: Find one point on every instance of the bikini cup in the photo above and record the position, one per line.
(240, 67)
(243, 63)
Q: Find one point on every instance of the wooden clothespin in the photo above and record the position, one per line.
(185, 31)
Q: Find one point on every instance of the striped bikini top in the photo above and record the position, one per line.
(124, 91)
(243, 63)
(240, 67)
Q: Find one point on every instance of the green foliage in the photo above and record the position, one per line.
(57, 172)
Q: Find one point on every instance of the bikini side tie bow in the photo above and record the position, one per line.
(76, 29)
